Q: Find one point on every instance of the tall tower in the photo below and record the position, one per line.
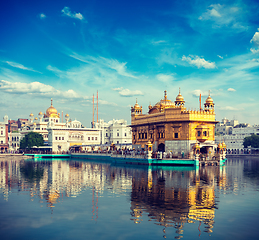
(97, 107)
(93, 113)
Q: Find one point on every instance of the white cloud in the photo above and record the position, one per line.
(117, 89)
(223, 16)
(117, 66)
(66, 11)
(213, 12)
(42, 16)
(255, 38)
(198, 62)
(229, 108)
(197, 92)
(20, 66)
(54, 69)
(165, 78)
(128, 93)
(231, 90)
(158, 42)
(36, 88)
(102, 64)
(253, 50)
(220, 56)
(104, 102)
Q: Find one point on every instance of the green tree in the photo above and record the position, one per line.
(31, 139)
(252, 141)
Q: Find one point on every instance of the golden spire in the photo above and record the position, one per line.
(51, 111)
(165, 95)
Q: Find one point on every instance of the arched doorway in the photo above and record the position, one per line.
(203, 150)
(161, 147)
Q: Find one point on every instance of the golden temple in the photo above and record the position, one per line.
(170, 127)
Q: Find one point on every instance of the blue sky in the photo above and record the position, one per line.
(69, 50)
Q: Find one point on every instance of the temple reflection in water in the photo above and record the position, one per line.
(170, 197)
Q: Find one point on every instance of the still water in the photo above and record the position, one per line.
(64, 199)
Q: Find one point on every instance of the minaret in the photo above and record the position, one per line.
(200, 101)
(93, 113)
(40, 116)
(179, 101)
(165, 95)
(97, 107)
(31, 118)
(136, 110)
(209, 104)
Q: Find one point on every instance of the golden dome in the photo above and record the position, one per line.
(34, 124)
(40, 113)
(165, 102)
(67, 115)
(161, 105)
(209, 99)
(31, 115)
(179, 97)
(51, 111)
(36, 118)
(136, 105)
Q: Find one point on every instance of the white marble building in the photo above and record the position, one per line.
(115, 131)
(58, 135)
(61, 139)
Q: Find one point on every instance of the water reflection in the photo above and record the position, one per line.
(173, 198)
(52, 180)
(169, 197)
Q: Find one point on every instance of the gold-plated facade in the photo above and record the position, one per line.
(169, 126)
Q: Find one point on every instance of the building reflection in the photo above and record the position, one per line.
(168, 197)
(173, 198)
(52, 181)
